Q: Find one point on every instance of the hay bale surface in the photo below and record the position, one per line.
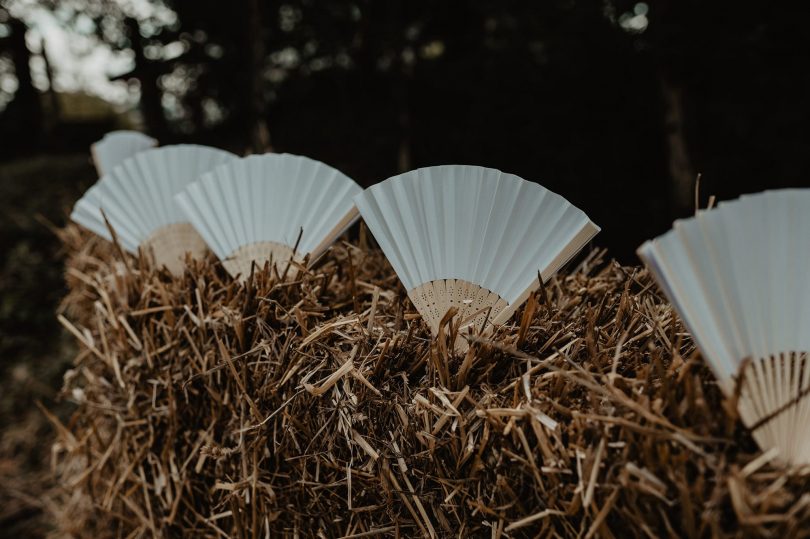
(322, 407)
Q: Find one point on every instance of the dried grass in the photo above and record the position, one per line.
(322, 407)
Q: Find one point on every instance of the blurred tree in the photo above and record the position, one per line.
(734, 79)
(616, 104)
(23, 120)
(147, 71)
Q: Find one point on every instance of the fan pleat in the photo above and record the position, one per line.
(210, 201)
(225, 215)
(289, 219)
(411, 236)
(509, 267)
(389, 213)
(551, 233)
(448, 208)
(497, 235)
(320, 223)
(485, 185)
(373, 210)
(133, 207)
(712, 229)
(119, 203)
(325, 189)
(212, 230)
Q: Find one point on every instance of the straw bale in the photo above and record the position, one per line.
(320, 406)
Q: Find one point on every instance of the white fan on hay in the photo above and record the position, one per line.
(738, 277)
(254, 209)
(473, 238)
(137, 198)
(116, 146)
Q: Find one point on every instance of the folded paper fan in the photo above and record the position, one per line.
(137, 198)
(116, 146)
(254, 209)
(472, 238)
(737, 276)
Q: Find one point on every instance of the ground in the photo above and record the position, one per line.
(36, 194)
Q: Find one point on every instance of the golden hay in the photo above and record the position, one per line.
(322, 407)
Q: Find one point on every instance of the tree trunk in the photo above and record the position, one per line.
(682, 174)
(53, 99)
(256, 123)
(26, 105)
(147, 72)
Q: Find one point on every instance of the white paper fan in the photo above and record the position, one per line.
(254, 208)
(115, 146)
(737, 276)
(471, 237)
(138, 199)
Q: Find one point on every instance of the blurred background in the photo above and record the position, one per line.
(618, 105)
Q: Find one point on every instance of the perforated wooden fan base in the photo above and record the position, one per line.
(169, 244)
(239, 262)
(475, 304)
(774, 400)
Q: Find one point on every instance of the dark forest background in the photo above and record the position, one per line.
(617, 105)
